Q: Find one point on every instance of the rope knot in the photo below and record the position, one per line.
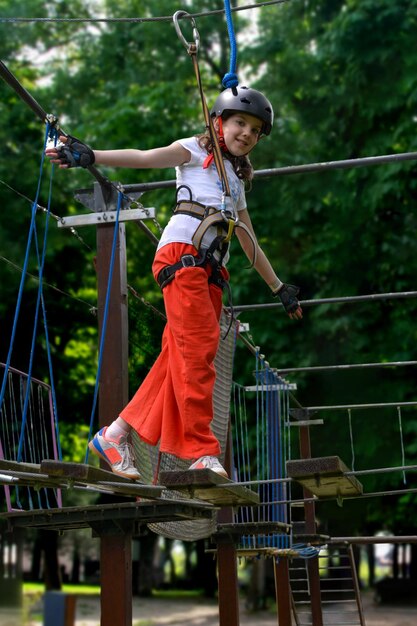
(230, 80)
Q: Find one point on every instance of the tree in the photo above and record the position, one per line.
(341, 76)
(344, 83)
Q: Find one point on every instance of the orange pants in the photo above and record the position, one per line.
(174, 404)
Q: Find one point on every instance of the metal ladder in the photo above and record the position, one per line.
(339, 589)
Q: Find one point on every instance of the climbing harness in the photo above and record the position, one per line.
(209, 216)
(202, 259)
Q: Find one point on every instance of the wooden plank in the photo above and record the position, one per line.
(189, 478)
(251, 528)
(80, 471)
(209, 486)
(26, 474)
(38, 481)
(314, 540)
(83, 474)
(255, 553)
(324, 477)
(57, 474)
(31, 468)
(134, 489)
(110, 516)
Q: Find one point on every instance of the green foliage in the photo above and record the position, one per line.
(73, 442)
(342, 77)
(344, 86)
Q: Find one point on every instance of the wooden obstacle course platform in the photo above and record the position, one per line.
(239, 529)
(324, 477)
(300, 535)
(82, 473)
(105, 519)
(209, 486)
(256, 553)
(58, 474)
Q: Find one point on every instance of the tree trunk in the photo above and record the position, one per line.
(52, 575)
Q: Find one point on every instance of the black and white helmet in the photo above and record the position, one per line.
(246, 100)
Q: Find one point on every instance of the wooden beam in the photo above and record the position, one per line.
(209, 486)
(324, 477)
(115, 565)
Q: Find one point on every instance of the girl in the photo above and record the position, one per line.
(174, 403)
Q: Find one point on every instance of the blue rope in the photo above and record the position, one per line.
(40, 302)
(230, 78)
(45, 324)
(105, 316)
(23, 277)
(306, 552)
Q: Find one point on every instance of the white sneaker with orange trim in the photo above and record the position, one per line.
(118, 454)
(209, 462)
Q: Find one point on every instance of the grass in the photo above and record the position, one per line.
(39, 589)
(33, 592)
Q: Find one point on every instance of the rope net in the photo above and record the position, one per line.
(261, 448)
(148, 457)
(27, 436)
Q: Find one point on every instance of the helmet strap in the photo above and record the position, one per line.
(222, 144)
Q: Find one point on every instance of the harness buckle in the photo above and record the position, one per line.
(228, 216)
(188, 260)
(232, 222)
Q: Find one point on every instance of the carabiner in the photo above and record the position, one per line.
(190, 47)
(232, 222)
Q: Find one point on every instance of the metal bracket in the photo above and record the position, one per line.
(318, 422)
(273, 387)
(106, 217)
(104, 199)
(302, 417)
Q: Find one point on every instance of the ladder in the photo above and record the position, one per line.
(339, 589)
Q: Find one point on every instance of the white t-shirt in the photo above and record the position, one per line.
(206, 188)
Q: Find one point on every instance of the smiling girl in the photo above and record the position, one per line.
(174, 404)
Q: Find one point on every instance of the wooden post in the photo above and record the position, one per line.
(227, 561)
(116, 580)
(283, 591)
(228, 588)
(116, 550)
(113, 392)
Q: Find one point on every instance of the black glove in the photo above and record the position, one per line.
(75, 153)
(288, 296)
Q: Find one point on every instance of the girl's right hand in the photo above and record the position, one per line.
(72, 153)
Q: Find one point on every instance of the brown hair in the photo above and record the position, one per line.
(241, 164)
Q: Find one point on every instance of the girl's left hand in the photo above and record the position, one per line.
(288, 296)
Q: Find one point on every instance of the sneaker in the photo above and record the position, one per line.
(209, 462)
(119, 455)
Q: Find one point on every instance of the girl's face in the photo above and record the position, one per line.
(241, 133)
